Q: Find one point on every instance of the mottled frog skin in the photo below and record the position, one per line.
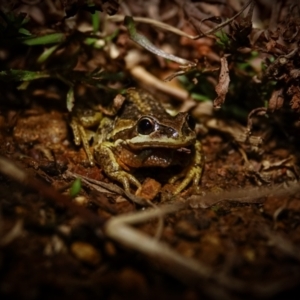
(141, 134)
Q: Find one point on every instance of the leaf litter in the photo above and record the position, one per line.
(238, 238)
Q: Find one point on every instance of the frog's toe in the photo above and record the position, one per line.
(126, 179)
(193, 174)
(77, 141)
(174, 178)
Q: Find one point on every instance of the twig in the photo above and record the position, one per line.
(260, 111)
(282, 244)
(110, 187)
(120, 18)
(248, 195)
(145, 77)
(161, 25)
(186, 269)
(9, 169)
(15, 232)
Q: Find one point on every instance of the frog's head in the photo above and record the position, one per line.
(168, 132)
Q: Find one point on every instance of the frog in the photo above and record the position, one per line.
(141, 134)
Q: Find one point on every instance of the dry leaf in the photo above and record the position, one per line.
(222, 87)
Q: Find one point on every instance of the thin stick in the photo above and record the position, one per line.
(12, 171)
(120, 18)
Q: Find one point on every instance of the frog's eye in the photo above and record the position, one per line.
(145, 126)
(191, 122)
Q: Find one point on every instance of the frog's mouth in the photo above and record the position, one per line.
(184, 150)
(181, 145)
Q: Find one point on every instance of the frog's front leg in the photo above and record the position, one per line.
(82, 136)
(105, 156)
(192, 173)
(80, 122)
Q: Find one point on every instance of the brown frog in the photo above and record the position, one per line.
(141, 134)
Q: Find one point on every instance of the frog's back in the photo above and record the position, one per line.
(139, 103)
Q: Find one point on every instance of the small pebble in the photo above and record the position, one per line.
(86, 253)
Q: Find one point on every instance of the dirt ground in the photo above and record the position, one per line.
(237, 237)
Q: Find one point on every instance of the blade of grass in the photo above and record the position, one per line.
(75, 188)
(145, 43)
(53, 38)
(45, 55)
(96, 21)
(21, 75)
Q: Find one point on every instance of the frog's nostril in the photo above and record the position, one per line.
(175, 134)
